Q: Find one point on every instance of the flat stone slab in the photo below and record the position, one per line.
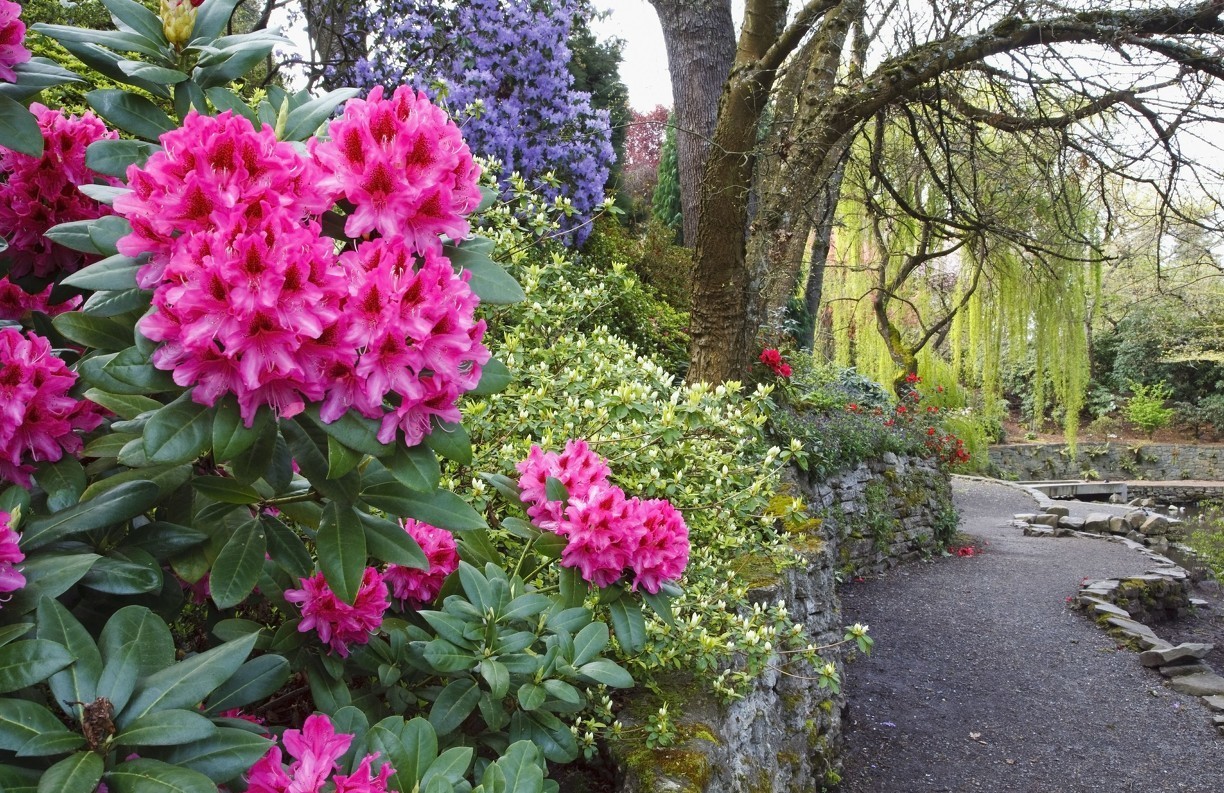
(1204, 684)
(1187, 651)
(1101, 609)
(1215, 702)
(1074, 524)
(1037, 531)
(1060, 511)
(1181, 670)
(1137, 630)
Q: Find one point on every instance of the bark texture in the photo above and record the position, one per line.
(700, 39)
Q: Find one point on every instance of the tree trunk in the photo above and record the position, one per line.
(700, 38)
(338, 35)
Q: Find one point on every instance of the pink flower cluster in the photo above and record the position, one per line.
(414, 588)
(39, 420)
(16, 303)
(607, 533)
(402, 163)
(12, 40)
(37, 193)
(315, 749)
(252, 299)
(11, 578)
(773, 359)
(337, 623)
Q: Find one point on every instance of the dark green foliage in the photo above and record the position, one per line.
(595, 66)
(1204, 417)
(1136, 351)
(666, 203)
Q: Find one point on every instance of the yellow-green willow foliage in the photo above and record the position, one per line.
(1009, 304)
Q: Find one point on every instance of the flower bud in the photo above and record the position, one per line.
(178, 20)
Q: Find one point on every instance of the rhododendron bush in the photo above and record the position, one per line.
(233, 347)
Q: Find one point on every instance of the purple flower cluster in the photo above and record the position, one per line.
(513, 57)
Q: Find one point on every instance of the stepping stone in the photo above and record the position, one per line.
(1024, 516)
(1060, 511)
(1037, 531)
(1097, 521)
(1175, 573)
(1045, 520)
(1072, 524)
(1182, 652)
(1215, 702)
(1138, 631)
(1103, 609)
(1181, 670)
(1201, 685)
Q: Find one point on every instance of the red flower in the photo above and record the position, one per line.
(770, 357)
(913, 378)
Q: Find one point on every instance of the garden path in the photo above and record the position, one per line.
(983, 678)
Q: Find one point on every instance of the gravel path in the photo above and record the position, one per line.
(983, 679)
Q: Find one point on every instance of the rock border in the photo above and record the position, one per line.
(1162, 592)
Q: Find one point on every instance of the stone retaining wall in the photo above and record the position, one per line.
(1112, 461)
(784, 735)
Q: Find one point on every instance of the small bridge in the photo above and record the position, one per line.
(1076, 489)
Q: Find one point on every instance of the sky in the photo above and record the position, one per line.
(644, 68)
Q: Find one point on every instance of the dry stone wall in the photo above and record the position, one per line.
(784, 735)
(1109, 461)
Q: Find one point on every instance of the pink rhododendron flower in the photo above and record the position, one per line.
(37, 193)
(315, 749)
(16, 303)
(11, 578)
(12, 40)
(415, 588)
(39, 420)
(663, 550)
(604, 534)
(578, 468)
(337, 623)
(402, 163)
(413, 320)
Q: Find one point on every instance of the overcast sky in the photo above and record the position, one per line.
(644, 68)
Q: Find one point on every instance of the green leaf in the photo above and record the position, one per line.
(63, 481)
(494, 378)
(152, 72)
(589, 643)
(629, 624)
(125, 571)
(410, 746)
(115, 303)
(49, 576)
(18, 128)
(547, 732)
(113, 157)
(127, 406)
(166, 728)
(77, 773)
(179, 432)
(29, 661)
(415, 467)
(102, 333)
(606, 672)
(531, 696)
(14, 779)
(387, 541)
(130, 15)
(10, 632)
(526, 606)
(107, 62)
(104, 193)
(489, 281)
(186, 683)
(342, 550)
(454, 704)
(238, 60)
(154, 776)
(167, 478)
(113, 273)
(263, 459)
(50, 743)
(230, 436)
(450, 766)
(223, 756)
(123, 41)
(106, 232)
(130, 112)
(257, 678)
(439, 508)
(444, 657)
(137, 626)
(304, 120)
(555, 489)
(133, 368)
(449, 627)
(21, 720)
(354, 431)
(522, 766)
(225, 490)
(78, 682)
(476, 587)
(660, 604)
(212, 18)
(75, 235)
(305, 443)
(340, 459)
(451, 441)
(224, 99)
(162, 539)
(119, 504)
(286, 547)
(238, 565)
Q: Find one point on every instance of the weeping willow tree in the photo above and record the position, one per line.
(961, 252)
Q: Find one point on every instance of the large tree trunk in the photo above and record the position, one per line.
(338, 31)
(700, 38)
